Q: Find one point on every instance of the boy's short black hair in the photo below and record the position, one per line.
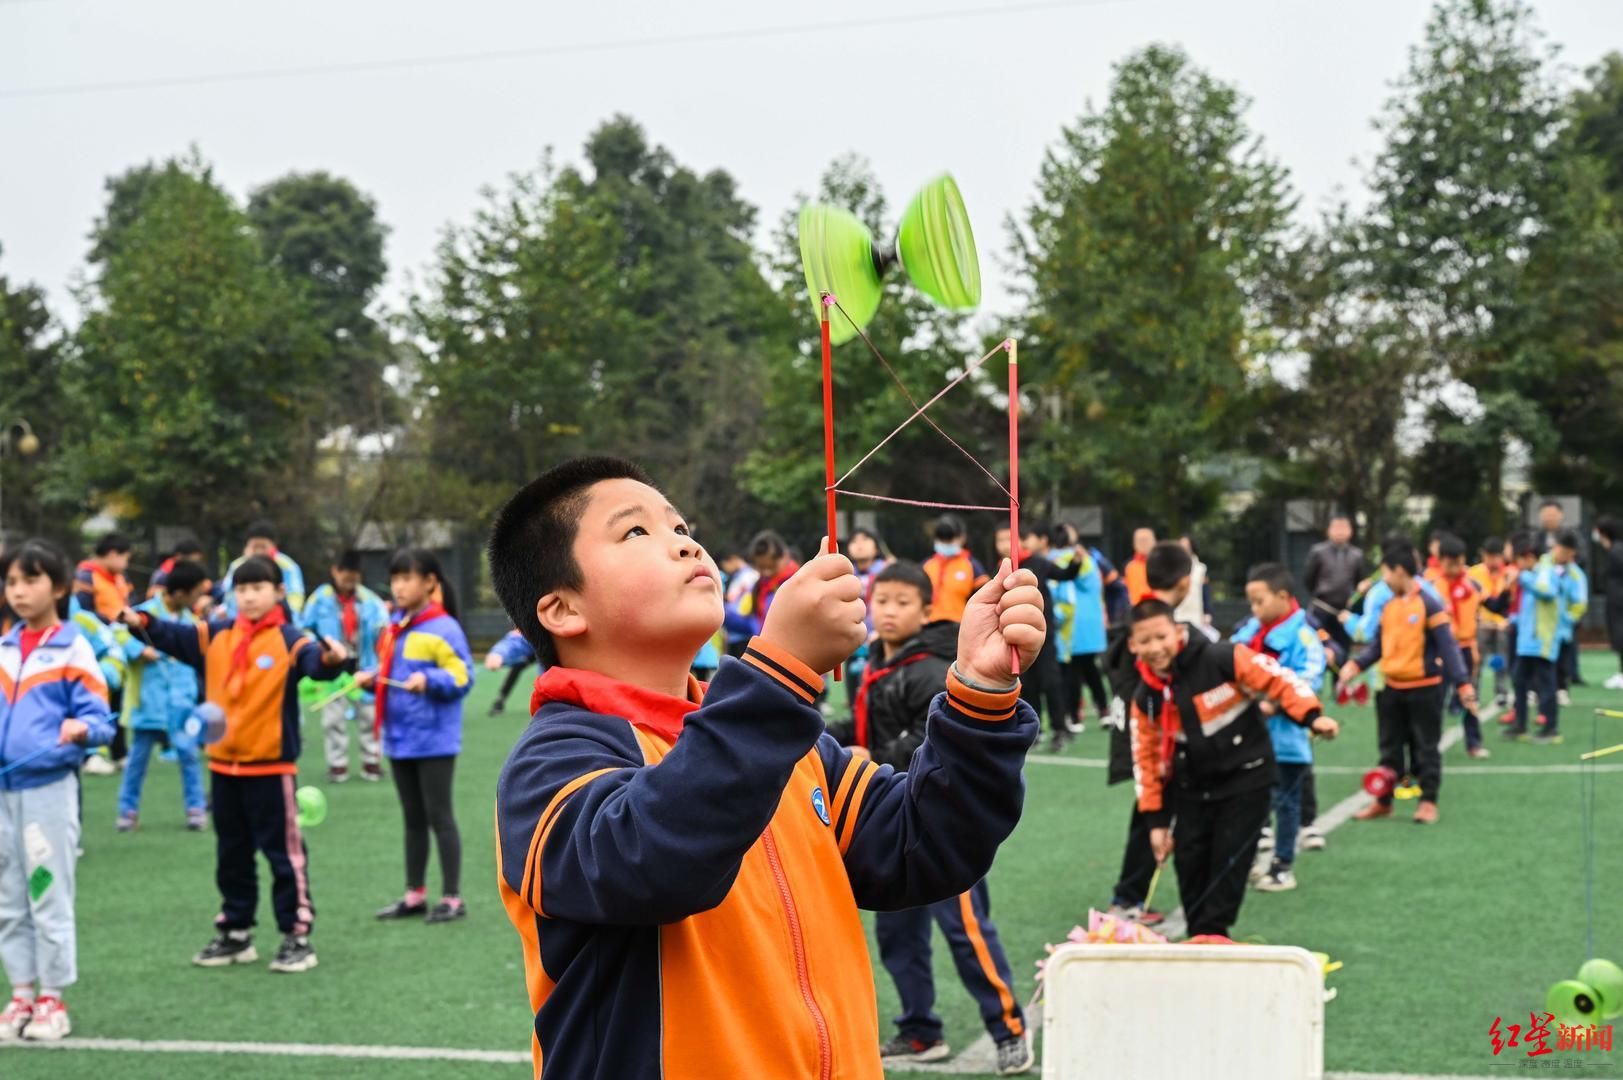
(1450, 546)
(766, 542)
(261, 530)
(1034, 528)
(184, 576)
(1059, 535)
(186, 546)
(949, 527)
(1167, 564)
(904, 572)
(1272, 574)
(36, 556)
(1547, 503)
(1607, 526)
(1151, 607)
(113, 542)
(1493, 545)
(1524, 543)
(1401, 557)
(1568, 538)
(256, 569)
(349, 560)
(532, 545)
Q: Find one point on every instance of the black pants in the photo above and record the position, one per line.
(1041, 687)
(1214, 843)
(1537, 676)
(119, 748)
(1567, 665)
(508, 683)
(1410, 722)
(1084, 668)
(1310, 799)
(259, 813)
(424, 786)
(966, 922)
(1137, 863)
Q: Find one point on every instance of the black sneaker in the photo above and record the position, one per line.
(295, 955)
(1278, 878)
(444, 911)
(231, 947)
(497, 706)
(402, 910)
(1014, 1056)
(907, 1048)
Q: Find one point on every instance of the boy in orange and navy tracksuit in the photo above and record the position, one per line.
(1416, 650)
(684, 864)
(954, 573)
(251, 667)
(1463, 597)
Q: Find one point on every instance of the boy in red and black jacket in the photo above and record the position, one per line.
(684, 864)
(1203, 761)
(251, 667)
(893, 703)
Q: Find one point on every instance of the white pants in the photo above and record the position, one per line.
(335, 731)
(39, 838)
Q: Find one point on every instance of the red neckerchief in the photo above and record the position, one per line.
(1257, 642)
(656, 713)
(29, 640)
(165, 566)
(1459, 590)
(1140, 558)
(348, 617)
(859, 709)
(246, 630)
(1168, 721)
(386, 644)
(767, 586)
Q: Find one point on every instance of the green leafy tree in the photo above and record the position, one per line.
(616, 308)
(31, 358)
(197, 368)
(1156, 221)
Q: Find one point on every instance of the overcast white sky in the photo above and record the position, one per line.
(982, 96)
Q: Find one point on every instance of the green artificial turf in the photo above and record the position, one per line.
(1441, 929)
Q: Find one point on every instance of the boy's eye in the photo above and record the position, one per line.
(681, 530)
(635, 530)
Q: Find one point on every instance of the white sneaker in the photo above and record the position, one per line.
(15, 1018)
(49, 1022)
(1563, 698)
(97, 765)
(1265, 842)
(1310, 839)
(1615, 682)
(1278, 879)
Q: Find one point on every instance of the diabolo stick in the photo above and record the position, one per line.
(1014, 474)
(828, 431)
(1613, 713)
(1593, 754)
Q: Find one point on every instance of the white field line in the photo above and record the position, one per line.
(498, 1057)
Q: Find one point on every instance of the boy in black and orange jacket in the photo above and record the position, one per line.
(251, 667)
(684, 864)
(1416, 649)
(1203, 761)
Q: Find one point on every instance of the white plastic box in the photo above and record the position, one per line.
(1172, 1012)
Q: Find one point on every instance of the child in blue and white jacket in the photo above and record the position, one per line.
(424, 671)
(345, 610)
(55, 703)
(1279, 628)
(159, 694)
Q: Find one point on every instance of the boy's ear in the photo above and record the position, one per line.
(560, 615)
(281, 592)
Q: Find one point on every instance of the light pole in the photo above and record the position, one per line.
(27, 446)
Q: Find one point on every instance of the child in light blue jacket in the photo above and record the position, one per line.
(158, 695)
(1279, 628)
(345, 610)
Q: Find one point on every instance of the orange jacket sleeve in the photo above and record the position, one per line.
(1262, 674)
(1148, 783)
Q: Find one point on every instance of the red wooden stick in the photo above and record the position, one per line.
(1014, 472)
(828, 434)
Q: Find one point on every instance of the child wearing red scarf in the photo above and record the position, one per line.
(1463, 597)
(251, 666)
(1203, 760)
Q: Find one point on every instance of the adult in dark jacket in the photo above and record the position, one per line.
(1332, 574)
(1607, 531)
(893, 704)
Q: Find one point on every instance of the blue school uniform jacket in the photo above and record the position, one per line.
(323, 615)
(685, 874)
(427, 724)
(1296, 645)
(160, 692)
(1088, 618)
(514, 650)
(1546, 595)
(60, 679)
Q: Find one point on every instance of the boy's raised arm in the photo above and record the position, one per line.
(186, 642)
(912, 838)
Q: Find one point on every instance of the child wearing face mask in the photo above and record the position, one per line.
(953, 572)
(424, 670)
